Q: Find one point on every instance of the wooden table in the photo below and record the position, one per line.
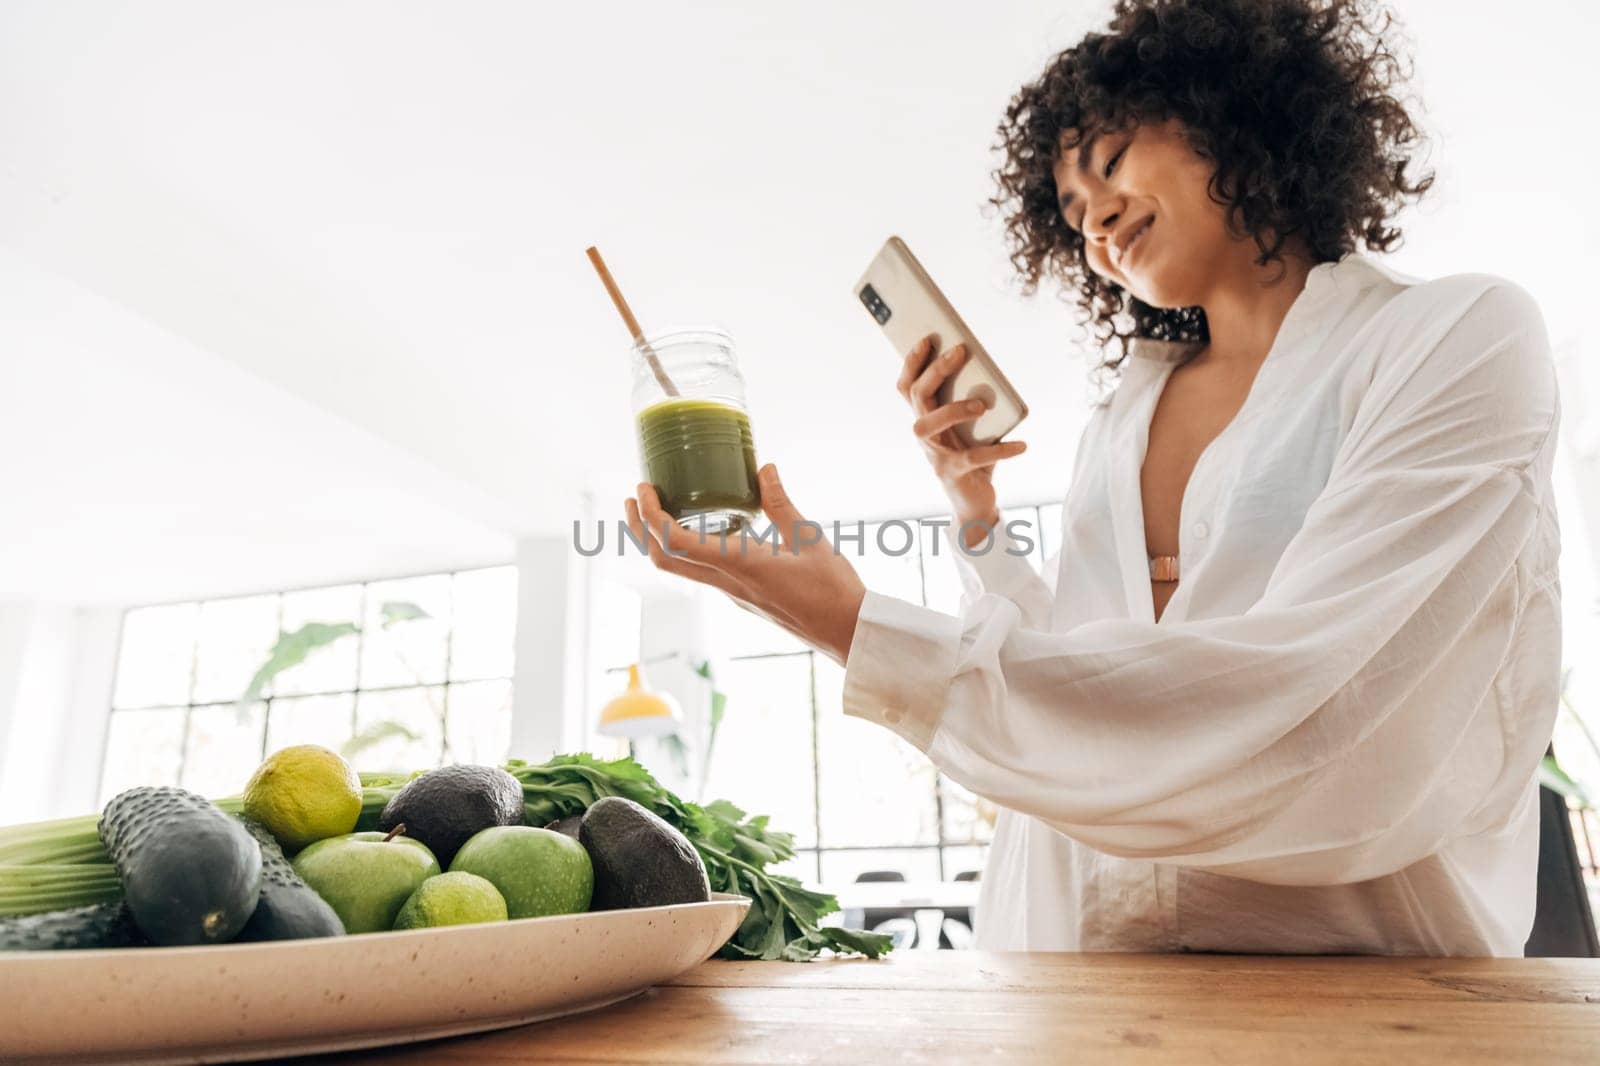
(964, 1006)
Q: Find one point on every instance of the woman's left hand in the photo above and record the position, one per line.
(801, 584)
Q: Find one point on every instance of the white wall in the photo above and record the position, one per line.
(57, 664)
(550, 697)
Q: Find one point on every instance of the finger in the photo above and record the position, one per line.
(785, 516)
(775, 500)
(711, 560)
(678, 566)
(741, 594)
(678, 541)
(652, 546)
(940, 419)
(983, 455)
(934, 375)
(722, 577)
(914, 361)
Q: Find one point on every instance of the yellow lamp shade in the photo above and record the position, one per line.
(639, 713)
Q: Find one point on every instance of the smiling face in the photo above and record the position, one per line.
(1139, 197)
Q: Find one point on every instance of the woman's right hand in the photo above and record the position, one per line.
(966, 473)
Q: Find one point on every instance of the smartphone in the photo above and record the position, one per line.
(899, 294)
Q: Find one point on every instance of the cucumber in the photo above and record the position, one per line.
(100, 925)
(289, 909)
(190, 873)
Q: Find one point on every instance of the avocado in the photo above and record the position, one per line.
(444, 807)
(567, 826)
(639, 859)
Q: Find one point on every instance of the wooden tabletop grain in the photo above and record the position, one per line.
(967, 1006)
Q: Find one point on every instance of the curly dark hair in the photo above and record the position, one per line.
(1293, 99)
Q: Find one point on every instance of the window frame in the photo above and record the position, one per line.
(446, 684)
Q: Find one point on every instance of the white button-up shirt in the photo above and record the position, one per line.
(1329, 742)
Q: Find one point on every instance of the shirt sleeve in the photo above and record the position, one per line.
(1001, 568)
(1343, 727)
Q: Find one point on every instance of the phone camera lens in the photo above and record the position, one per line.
(874, 304)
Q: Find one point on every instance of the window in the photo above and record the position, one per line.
(1577, 727)
(855, 796)
(407, 674)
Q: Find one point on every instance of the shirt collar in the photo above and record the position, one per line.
(1346, 277)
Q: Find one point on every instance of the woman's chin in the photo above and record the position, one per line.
(1158, 288)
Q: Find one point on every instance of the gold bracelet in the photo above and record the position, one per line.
(1163, 568)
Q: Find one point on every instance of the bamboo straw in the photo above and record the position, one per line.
(632, 323)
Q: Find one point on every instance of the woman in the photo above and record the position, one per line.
(1293, 684)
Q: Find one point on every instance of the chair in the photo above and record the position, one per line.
(902, 932)
(898, 922)
(955, 935)
(1563, 919)
(957, 930)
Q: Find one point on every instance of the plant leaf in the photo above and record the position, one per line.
(396, 611)
(1553, 776)
(376, 733)
(724, 810)
(291, 650)
(719, 706)
(869, 944)
(680, 754)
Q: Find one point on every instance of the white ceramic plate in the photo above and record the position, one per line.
(233, 1002)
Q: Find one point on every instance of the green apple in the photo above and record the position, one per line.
(366, 877)
(538, 871)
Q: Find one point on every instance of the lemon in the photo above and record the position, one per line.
(452, 899)
(304, 794)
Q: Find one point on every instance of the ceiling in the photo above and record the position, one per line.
(296, 292)
(141, 469)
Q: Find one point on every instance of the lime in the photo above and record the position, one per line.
(452, 899)
(303, 794)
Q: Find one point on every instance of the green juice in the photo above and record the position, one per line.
(701, 459)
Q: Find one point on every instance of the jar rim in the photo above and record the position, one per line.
(671, 337)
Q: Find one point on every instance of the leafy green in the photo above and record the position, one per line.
(783, 921)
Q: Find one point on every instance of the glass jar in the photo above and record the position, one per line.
(696, 447)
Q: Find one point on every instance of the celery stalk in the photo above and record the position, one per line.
(31, 889)
(47, 866)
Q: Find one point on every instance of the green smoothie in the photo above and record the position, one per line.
(701, 459)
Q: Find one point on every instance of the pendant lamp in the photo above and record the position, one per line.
(639, 712)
